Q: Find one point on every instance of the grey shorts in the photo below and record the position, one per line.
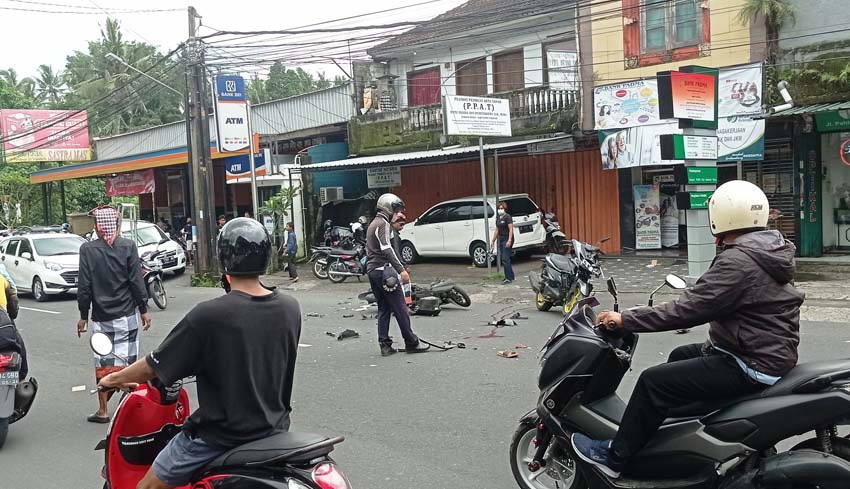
(182, 457)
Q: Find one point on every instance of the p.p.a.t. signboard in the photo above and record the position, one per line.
(477, 116)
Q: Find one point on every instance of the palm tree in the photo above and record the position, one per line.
(776, 13)
(51, 85)
(25, 86)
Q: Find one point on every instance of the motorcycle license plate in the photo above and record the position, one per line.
(9, 377)
(526, 229)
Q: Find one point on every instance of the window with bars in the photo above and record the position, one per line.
(669, 25)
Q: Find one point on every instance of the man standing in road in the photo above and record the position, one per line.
(111, 286)
(291, 251)
(384, 267)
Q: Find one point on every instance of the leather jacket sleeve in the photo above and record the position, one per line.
(715, 293)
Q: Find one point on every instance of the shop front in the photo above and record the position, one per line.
(835, 197)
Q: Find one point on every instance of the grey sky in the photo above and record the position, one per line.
(29, 39)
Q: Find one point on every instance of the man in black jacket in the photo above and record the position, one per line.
(752, 307)
(385, 269)
(110, 284)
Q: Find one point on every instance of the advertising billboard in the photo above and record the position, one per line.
(33, 136)
(133, 183)
(477, 116)
(231, 115)
(630, 104)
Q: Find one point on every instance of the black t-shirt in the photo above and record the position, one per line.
(502, 223)
(242, 351)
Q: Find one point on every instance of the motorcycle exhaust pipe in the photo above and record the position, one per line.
(348, 274)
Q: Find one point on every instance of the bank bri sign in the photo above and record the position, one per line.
(231, 114)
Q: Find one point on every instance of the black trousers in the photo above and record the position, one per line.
(290, 265)
(389, 304)
(690, 374)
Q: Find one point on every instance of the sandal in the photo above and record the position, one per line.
(507, 354)
(96, 418)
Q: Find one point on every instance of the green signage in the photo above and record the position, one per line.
(693, 200)
(833, 121)
(681, 147)
(695, 175)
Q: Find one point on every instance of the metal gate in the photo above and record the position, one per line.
(776, 175)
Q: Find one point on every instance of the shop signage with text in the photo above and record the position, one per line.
(231, 114)
(384, 177)
(35, 136)
(687, 96)
(133, 183)
(477, 116)
(681, 147)
(693, 200)
(695, 175)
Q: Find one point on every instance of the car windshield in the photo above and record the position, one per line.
(66, 245)
(147, 235)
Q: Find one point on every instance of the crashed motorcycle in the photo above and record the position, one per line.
(151, 415)
(429, 299)
(564, 279)
(729, 444)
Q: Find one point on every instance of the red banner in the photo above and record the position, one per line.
(32, 136)
(134, 183)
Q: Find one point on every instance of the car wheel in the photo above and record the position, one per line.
(180, 271)
(478, 252)
(408, 253)
(38, 292)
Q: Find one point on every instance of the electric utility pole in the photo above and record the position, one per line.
(200, 161)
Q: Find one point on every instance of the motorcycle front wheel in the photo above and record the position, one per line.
(156, 291)
(460, 297)
(541, 303)
(320, 270)
(334, 270)
(560, 472)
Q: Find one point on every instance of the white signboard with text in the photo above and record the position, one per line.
(231, 115)
(384, 177)
(477, 116)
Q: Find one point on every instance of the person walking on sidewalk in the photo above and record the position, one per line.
(291, 251)
(110, 284)
(504, 236)
(384, 268)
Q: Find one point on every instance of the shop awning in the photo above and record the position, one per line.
(446, 155)
(142, 161)
(813, 109)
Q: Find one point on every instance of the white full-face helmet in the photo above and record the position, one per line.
(737, 206)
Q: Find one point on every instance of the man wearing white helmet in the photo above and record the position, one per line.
(753, 311)
(385, 268)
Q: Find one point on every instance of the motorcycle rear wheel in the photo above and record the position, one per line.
(4, 430)
(558, 473)
(320, 271)
(460, 297)
(157, 292)
(541, 303)
(840, 447)
(333, 275)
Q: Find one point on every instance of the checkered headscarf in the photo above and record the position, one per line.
(107, 220)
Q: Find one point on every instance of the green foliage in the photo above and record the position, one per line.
(283, 82)
(11, 98)
(824, 79)
(205, 280)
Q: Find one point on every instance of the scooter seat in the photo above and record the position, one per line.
(279, 449)
(805, 378)
(560, 262)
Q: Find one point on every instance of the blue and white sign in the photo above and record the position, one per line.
(239, 166)
(230, 88)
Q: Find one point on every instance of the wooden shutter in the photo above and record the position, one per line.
(508, 72)
(423, 87)
(471, 77)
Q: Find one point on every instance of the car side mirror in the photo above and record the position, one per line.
(675, 282)
(26, 255)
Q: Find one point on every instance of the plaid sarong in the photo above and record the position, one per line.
(124, 333)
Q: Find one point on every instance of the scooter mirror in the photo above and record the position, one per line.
(101, 344)
(612, 287)
(675, 282)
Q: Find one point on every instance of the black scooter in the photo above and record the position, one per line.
(556, 240)
(443, 290)
(717, 445)
(152, 275)
(564, 279)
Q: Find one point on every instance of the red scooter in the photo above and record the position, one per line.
(148, 417)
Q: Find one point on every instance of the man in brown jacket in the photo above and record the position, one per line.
(752, 307)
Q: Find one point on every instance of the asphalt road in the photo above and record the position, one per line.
(436, 420)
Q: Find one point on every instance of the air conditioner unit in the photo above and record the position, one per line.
(330, 194)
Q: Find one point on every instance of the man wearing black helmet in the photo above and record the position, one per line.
(241, 347)
(385, 268)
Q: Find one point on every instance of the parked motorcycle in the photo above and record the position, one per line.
(152, 275)
(16, 397)
(445, 291)
(715, 445)
(150, 416)
(337, 243)
(344, 264)
(556, 240)
(563, 280)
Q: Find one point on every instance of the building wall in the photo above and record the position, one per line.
(583, 196)
(729, 41)
(822, 17)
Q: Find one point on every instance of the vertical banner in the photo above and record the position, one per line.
(647, 217)
(669, 216)
(231, 114)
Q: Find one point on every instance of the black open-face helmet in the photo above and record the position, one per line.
(244, 247)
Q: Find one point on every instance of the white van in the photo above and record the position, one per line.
(456, 228)
(151, 238)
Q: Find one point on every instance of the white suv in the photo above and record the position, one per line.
(456, 228)
(43, 264)
(150, 238)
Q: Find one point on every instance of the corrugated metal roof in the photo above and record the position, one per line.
(334, 105)
(812, 109)
(367, 161)
(159, 138)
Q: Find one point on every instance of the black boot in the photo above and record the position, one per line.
(420, 347)
(387, 349)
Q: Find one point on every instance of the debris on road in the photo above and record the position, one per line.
(461, 345)
(348, 333)
(81, 388)
(348, 315)
(369, 316)
(507, 354)
(315, 315)
(521, 346)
